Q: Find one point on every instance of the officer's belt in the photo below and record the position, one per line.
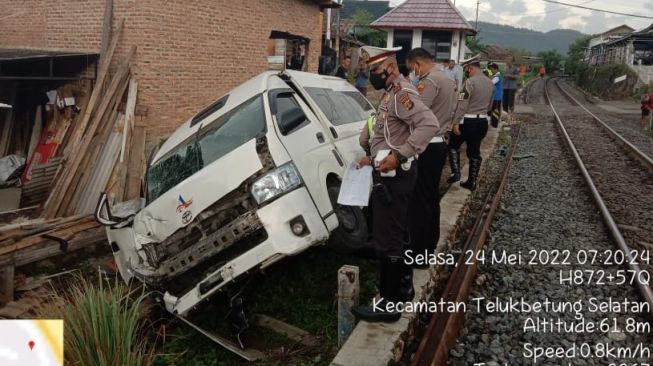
(476, 116)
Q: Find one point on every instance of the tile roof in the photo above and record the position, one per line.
(424, 14)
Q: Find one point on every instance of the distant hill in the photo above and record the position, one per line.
(533, 41)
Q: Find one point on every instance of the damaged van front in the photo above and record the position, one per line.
(247, 181)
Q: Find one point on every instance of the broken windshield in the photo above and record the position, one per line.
(214, 140)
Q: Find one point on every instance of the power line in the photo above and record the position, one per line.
(601, 10)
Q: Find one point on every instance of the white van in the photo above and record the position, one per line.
(247, 181)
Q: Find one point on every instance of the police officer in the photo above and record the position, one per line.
(437, 92)
(470, 121)
(403, 128)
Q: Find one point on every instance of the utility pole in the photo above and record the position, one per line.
(478, 3)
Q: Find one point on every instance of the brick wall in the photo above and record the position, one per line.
(189, 52)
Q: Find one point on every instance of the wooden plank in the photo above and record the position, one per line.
(7, 284)
(53, 204)
(136, 164)
(5, 137)
(129, 116)
(49, 248)
(296, 334)
(106, 28)
(36, 131)
(33, 240)
(80, 128)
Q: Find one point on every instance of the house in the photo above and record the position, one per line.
(597, 45)
(435, 25)
(496, 53)
(634, 48)
(189, 53)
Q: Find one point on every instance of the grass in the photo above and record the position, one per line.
(300, 290)
(103, 325)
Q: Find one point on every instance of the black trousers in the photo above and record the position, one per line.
(389, 214)
(472, 132)
(424, 208)
(509, 99)
(496, 113)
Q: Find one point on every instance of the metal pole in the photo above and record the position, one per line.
(348, 290)
(478, 3)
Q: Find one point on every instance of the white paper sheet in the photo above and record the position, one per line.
(356, 186)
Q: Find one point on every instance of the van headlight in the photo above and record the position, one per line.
(275, 183)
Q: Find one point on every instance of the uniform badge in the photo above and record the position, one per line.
(396, 88)
(364, 55)
(406, 102)
(421, 87)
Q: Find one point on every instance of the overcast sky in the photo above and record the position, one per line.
(542, 16)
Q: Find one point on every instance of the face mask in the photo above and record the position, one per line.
(378, 80)
(413, 78)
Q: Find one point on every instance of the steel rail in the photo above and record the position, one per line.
(644, 289)
(637, 153)
(443, 329)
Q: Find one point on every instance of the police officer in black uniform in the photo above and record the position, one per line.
(471, 121)
(403, 128)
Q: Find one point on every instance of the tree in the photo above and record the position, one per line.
(474, 44)
(552, 59)
(519, 54)
(364, 33)
(576, 64)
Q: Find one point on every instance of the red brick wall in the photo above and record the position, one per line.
(189, 52)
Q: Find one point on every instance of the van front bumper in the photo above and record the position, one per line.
(276, 217)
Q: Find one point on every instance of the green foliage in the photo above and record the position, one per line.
(103, 325)
(600, 80)
(551, 59)
(474, 44)
(575, 64)
(364, 33)
(519, 54)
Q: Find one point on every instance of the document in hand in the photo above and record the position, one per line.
(356, 186)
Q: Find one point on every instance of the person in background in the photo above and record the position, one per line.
(497, 80)
(362, 77)
(451, 72)
(647, 107)
(437, 92)
(510, 86)
(542, 71)
(343, 69)
(470, 122)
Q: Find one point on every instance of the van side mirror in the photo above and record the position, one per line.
(291, 119)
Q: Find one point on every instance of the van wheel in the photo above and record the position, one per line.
(351, 233)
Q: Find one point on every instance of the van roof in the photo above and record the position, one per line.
(236, 96)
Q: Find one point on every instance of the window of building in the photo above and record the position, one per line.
(438, 44)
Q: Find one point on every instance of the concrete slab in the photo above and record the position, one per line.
(524, 109)
(618, 109)
(380, 344)
(9, 199)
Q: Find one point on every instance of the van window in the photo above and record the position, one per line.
(341, 107)
(284, 103)
(216, 139)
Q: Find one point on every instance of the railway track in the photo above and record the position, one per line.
(547, 210)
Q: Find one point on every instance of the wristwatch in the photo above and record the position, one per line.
(402, 159)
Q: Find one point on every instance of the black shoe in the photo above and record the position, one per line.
(406, 289)
(474, 168)
(378, 313)
(454, 161)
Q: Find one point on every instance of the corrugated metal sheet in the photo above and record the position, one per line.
(424, 14)
(100, 176)
(37, 189)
